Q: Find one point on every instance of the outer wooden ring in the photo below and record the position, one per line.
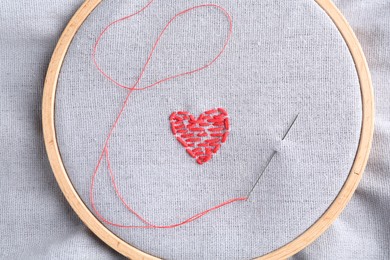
(287, 250)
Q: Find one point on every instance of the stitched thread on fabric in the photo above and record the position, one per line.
(202, 137)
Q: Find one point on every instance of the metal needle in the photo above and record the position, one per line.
(272, 156)
(288, 130)
(261, 174)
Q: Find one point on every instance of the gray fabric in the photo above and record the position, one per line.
(363, 229)
(35, 219)
(275, 66)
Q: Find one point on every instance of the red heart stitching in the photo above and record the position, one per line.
(202, 137)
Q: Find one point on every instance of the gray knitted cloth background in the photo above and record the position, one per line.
(284, 58)
(36, 222)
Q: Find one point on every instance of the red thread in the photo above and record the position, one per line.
(222, 111)
(219, 129)
(212, 111)
(197, 129)
(184, 143)
(203, 159)
(191, 153)
(197, 150)
(105, 151)
(215, 150)
(187, 135)
(227, 125)
(193, 140)
(214, 120)
(210, 136)
(213, 140)
(225, 136)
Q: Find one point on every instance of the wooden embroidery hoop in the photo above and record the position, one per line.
(283, 252)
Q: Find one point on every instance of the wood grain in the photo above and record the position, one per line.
(131, 252)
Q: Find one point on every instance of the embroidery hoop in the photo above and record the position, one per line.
(312, 233)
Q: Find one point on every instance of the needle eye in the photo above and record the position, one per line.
(292, 124)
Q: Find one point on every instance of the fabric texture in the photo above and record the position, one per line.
(36, 221)
(274, 67)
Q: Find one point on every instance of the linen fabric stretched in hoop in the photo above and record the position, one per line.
(259, 64)
(195, 130)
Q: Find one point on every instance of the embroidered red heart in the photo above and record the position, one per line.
(202, 137)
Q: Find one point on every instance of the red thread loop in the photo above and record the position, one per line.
(186, 141)
(134, 86)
